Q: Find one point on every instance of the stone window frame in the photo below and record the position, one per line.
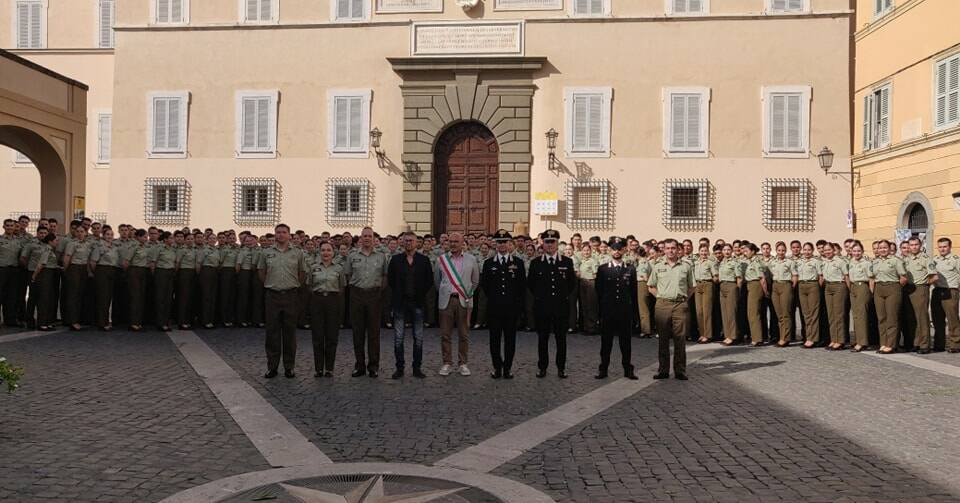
(805, 221)
(705, 209)
(805, 93)
(274, 194)
(667, 102)
(168, 153)
(154, 216)
(604, 216)
(364, 213)
(274, 13)
(15, 22)
(569, 94)
(366, 96)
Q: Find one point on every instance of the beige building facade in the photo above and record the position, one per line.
(73, 38)
(683, 118)
(907, 109)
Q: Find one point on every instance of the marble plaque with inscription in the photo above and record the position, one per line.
(398, 6)
(528, 4)
(494, 38)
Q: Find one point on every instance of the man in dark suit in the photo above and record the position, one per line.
(551, 280)
(503, 280)
(616, 293)
(410, 276)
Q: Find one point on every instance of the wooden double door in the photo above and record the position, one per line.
(466, 184)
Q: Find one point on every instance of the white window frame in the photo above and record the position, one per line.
(889, 6)
(705, 9)
(667, 99)
(101, 161)
(947, 124)
(15, 24)
(364, 17)
(770, 9)
(573, 10)
(184, 14)
(363, 151)
(806, 93)
(184, 123)
(271, 151)
(568, 95)
(871, 130)
(275, 12)
(99, 22)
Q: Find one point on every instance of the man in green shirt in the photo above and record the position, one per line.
(281, 269)
(944, 304)
(10, 245)
(672, 282)
(922, 272)
(367, 270)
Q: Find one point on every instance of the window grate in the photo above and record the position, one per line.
(166, 201)
(917, 221)
(788, 204)
(256, 201)
(688, 204)
(34, 219)
(348, 201)
(589, 204)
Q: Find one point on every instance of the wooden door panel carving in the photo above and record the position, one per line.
(466, 186)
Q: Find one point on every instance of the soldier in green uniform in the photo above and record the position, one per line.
(75, 258)
(944, 303)
(586, 267)
(309, 247)
(707, 274)
(29, 259)
(921, 273)
(246, 269)
(835, 274)
(730, 275)
(367, 270)
(672, 282)
(42, 281)
(644, 299)
(327, 281)
(891, 277)
(809, 279)
(282, 269)
(862, 285)
(163, 265)
(783, 273)
(209, 260)
(754, 275)
(104, 266)
(227, 279)
(10, 246)
(186, 279)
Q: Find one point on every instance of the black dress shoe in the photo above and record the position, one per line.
(680, 377)
(318, 374)
(418, 374)
(924, 351)
(507, 374)
(359, 372)
(601, 375)
(562, 374)
(270, 374)
(662, 375)
(541, 374)
(953, 350)
(372, 374)
(328, 374)
(630, 375)
(397, 374)
(289, 374)
(496, 374)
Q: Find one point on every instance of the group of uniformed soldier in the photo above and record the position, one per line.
(90, 274)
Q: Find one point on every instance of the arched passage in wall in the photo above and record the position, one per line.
(53, 174)
(916, 214)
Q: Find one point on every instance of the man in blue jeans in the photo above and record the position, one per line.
(410, 277)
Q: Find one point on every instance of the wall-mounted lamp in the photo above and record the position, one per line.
(375, 135)
(552, 163)
(825, 158)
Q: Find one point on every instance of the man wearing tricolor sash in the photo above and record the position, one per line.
(457, 276)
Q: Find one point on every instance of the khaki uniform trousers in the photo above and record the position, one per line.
(783, 302)
(729, 298)
(946, 321)
(455, 314)
(672, 317)
(754, 303)
(887, 301)
(860, 297)
(810, 309)
(920, 302)
(365, 318)
(835, 293)
(703, 298)
(643, 304)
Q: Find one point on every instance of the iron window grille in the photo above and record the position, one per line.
(256, 201)
(917, 220)
(348, 201)
(34, 219)
(788, 204)
(687, 204)
(589, 204)
(166, 201)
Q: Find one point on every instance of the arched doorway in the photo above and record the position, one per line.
(466, 180)
(53, 176)
(916, 216)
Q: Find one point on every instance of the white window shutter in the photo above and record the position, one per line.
(793, 119)
(249, 125)
(694, 142)
(596, 122)
(695, 6)
(253, 10)
(778, 4)
(778, 112)
(342, 122)
(104, 131)
(266, 10)
(953, 90)
(883, 117)
(794, 4)
(106, 23)
(580, 123)
(36, 9)
(677, 122)
(173, 124)
(23, 25)
(263, 124)
(868, 122)
(356, 123)
(176, 11)
(163, 11)
(160, 106)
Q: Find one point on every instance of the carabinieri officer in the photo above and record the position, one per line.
(616, 286)
(503, 279)
(551, 280)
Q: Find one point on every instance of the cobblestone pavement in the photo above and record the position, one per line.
(122, 417)
(112, 417)
(412, 420)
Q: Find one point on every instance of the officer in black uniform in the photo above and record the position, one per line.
(616, 286)
(551, 280)
(503, 280)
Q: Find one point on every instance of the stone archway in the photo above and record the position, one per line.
(917, 205)
(43, 115)
(466, 180)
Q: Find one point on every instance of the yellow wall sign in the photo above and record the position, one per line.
(546, 203)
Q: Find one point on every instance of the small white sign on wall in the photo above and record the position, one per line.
(400, 6)
(546, 204)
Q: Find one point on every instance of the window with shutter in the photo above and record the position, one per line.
(168, 120)
(590, 7)
(787, 6)
(588, 119)
(257, 123)
(688, 6)
(349, 10)
(171, 11)
(686, 121)
(882, 7)
(349, 123)
(260, 11)
(104, 121)
(787, 116)
(947, 99)
(31, 24)
(107, 11)
(876, 126)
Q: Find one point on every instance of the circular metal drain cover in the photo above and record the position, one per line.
(367, 488)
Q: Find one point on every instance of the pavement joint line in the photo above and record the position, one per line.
(19, 336)
(918, 362)
(486, 456)
(280, 443)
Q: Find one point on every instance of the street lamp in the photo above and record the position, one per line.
(552, 163)
(826, 159)
(375, 135)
